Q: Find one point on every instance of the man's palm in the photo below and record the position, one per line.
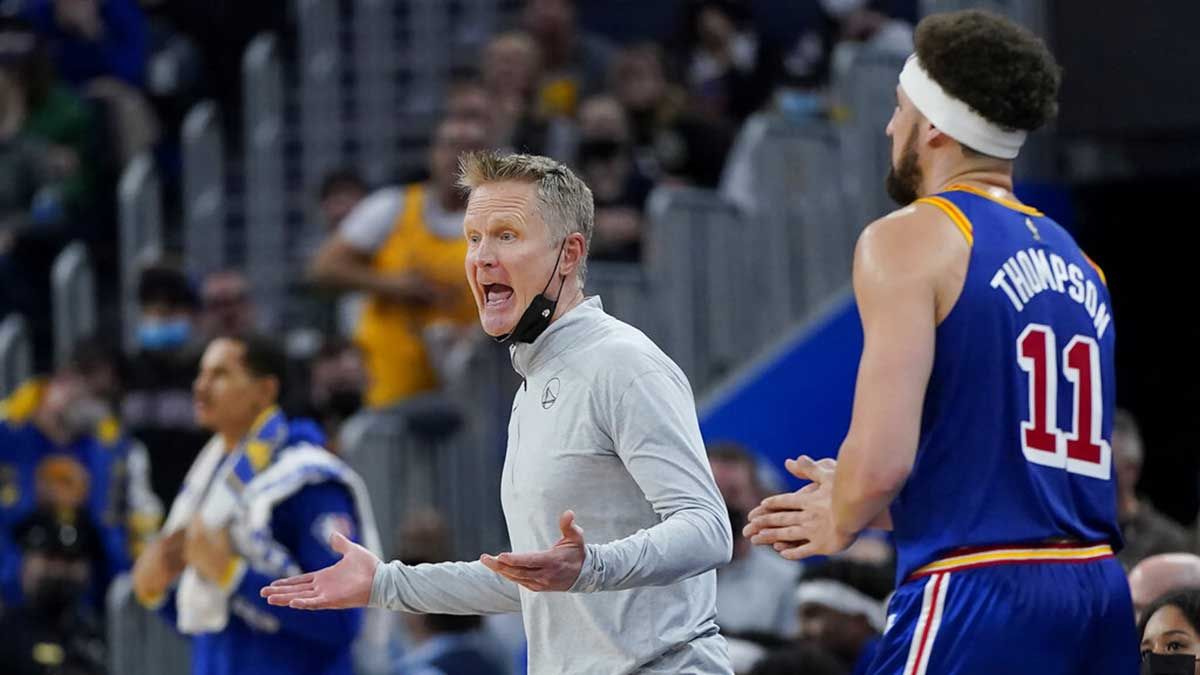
(345, 584)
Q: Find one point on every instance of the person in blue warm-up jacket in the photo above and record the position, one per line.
(262, 498)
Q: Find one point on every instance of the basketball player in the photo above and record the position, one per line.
(983, 409)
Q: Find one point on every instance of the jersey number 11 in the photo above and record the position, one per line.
(1081, 450)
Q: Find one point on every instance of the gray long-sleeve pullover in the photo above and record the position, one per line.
(604, 424)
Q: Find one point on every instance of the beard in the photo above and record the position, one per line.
(903, 181)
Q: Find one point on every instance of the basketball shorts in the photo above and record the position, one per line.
(1014, 616)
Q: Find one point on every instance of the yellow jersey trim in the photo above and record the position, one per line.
(1096, 267)
(1015, 206)
(1015, 555)
(259, 451)
(960, 219)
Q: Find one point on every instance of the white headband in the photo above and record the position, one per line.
(956, 118)
(843, 598)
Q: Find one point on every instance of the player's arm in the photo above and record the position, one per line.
(898, 264)
(344, 260)
(340, 265)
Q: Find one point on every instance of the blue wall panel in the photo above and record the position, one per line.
(797, 398)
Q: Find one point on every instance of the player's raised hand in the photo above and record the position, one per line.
(784, 508)
(804, 468)
(555, 569)
(800, 524)
(346, 583)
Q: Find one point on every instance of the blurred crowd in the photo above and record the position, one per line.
(86, 86)
(94, 451)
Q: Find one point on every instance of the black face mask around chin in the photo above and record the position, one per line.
(1168, 664)
(540, 311)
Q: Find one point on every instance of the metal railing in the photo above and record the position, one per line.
(265, 192)
(73, 300)
(866, 91)
(805, 232)
(323, 125)
(690, 234)
(442, 451)
(16, 354)
(625, 290)
(139, 197)
(376, 91)
(140, 642)
(204, 225)
(404, 52)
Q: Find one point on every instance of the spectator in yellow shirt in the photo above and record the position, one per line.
(403, 247)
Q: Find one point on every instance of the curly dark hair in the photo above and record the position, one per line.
(1000, 69)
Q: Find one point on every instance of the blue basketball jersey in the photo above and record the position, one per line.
(1017, 419)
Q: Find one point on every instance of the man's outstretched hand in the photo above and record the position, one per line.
(345, 584)
(555, 569)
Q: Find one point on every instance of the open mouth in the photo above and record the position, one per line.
(495, 295)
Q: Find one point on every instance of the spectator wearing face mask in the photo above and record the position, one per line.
(157, 407)
(670, 142)
(336, 387)
(61, 448)
(54, 631)
(619, 188)
(1170, 635)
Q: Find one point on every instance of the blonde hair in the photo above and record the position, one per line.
(564, 201)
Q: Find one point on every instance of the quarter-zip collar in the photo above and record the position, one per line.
(568, 330)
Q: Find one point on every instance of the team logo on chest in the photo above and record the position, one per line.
(550, 393)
